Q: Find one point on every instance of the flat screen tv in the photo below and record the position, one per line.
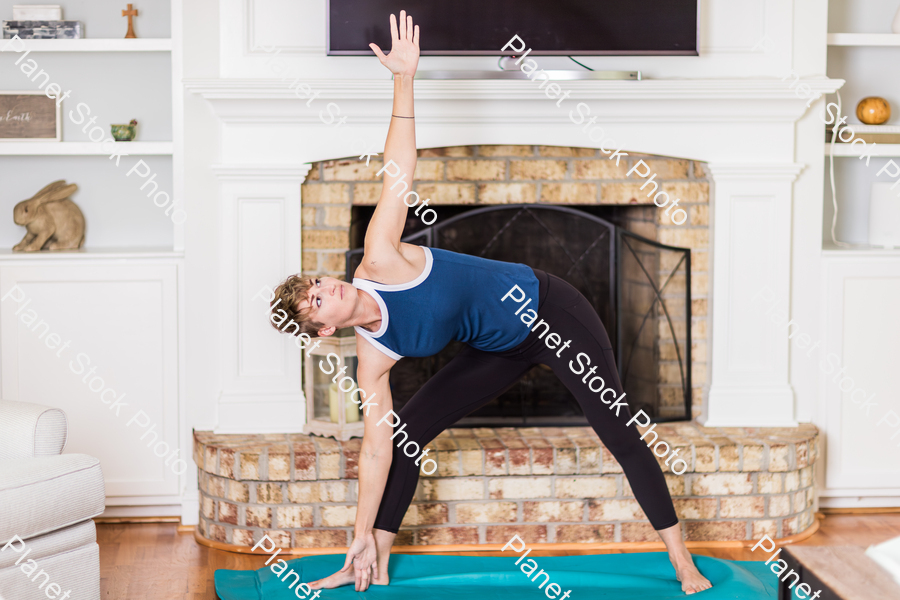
(560, 27)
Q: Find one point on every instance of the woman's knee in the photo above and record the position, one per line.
(406, 447)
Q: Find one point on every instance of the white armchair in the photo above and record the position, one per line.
(47, 501)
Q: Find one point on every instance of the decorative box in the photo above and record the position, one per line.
(37, 12)
(42, 30)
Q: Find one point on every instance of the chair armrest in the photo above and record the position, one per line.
(30, 430)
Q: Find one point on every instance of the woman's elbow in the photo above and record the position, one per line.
(379, 449)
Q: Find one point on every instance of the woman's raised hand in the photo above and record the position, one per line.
(404, 56)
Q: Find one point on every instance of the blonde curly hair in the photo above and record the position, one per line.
(290, 292)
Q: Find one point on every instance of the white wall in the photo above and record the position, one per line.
(202, 376)
(201, 307)
(808, 60)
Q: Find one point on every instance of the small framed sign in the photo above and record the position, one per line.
(29, 117)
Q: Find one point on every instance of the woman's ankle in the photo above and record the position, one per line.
(383, 578)
(681, 556)
(384, 541)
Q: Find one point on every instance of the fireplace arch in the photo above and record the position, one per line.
(626, 278)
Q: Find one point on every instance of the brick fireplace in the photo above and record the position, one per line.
(282, 185)
(549, 485)
(483, 175)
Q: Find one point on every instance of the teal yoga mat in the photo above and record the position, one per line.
(648, 576)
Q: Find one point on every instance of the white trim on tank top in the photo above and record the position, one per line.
(366, 286)
(372, 288)
(378, 345)
(399, 287)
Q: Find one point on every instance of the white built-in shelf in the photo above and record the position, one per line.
(6, 254)
(856, 149)
(83, 148)
(95, 45)
(864, 39)
(830, 249)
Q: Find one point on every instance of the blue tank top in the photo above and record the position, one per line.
(456, 297)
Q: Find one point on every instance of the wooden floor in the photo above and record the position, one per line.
(152, 561)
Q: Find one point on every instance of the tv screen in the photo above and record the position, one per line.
(471, 27)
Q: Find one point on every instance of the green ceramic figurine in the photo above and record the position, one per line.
(124, 133)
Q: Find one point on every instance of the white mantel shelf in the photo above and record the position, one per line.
(513, 102)
(512, 89)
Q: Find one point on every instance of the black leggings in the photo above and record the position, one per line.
(474, 377)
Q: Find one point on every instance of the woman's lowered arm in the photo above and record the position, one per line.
(375, 456)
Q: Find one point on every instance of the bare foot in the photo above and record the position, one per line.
(691, 579)
(338, 579)
(332, 581)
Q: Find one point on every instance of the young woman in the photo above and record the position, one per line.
(409, 300)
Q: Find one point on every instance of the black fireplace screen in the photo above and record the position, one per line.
(639, 288)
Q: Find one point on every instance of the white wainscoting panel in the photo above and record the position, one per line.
(716, 16)
(260, 246)
(861, 327)
(120, 320)
(751, 206)
(292, 26)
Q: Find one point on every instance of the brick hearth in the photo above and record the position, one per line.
(546, 484)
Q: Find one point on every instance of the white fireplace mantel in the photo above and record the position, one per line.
(734, 120)
(744, 129)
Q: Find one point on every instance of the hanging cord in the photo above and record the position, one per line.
(500, 65)
(578, 63)
(834, 135)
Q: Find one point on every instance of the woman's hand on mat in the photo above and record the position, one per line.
(362, 555)
(404, 56)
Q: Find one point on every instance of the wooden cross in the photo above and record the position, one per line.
(131, 12)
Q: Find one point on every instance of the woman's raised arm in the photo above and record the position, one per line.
(386, 226)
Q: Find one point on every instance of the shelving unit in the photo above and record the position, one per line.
(95, 45)
(864, 39)
(120, 298)
(111, 80)
(138, 252)
(830, 249)
(860, 49)
(83, 148)
(886, 150)
(857, 280)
